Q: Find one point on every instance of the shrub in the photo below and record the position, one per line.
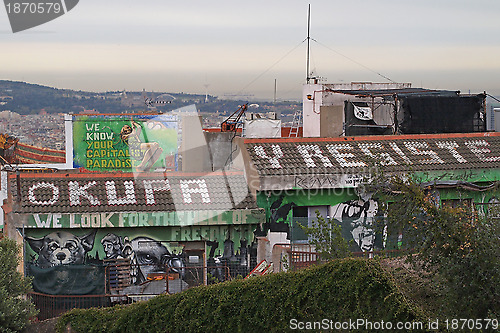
(326, 237)
(339, 290)
(457, 244)
(15, 309)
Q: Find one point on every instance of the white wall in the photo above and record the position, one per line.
(3, 195)
(311, 109)
(496, 112)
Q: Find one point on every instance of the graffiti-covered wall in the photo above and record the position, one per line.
(76, 224)
(357, 216)
(361, 217)
(57, 258)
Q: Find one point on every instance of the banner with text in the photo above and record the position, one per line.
(125, 142)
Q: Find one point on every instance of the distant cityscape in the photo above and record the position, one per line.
(35, 114)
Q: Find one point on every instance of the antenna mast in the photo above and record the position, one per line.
(308, 40)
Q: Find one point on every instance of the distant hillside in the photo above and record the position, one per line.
(26, 98)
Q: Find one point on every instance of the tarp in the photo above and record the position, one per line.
(263, 128)
(68, 279)
(438, 114)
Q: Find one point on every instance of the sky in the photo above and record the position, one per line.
(253, 49)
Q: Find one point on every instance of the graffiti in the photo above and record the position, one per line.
(327, 181)
(280, 211)
(116, 247)
(493, 208)
(394, 152)
(147, 219)
(145, 152)
(153, 257)
(61, 248)
(146, 258)
(356, 218)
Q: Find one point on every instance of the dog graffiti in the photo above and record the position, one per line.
(64, 254)
(61, 248)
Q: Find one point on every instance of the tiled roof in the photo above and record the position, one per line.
(27, 154)
(330, 156)
(114, 192)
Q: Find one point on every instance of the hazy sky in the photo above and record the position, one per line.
(237, 47)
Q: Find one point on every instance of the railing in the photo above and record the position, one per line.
(302, 259)
(51, 306)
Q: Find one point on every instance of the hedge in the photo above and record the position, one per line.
(340, 290)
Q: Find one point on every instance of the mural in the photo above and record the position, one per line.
(137, 143)
(356, 216)
(357, 220)
(61, 248)
(69, 253)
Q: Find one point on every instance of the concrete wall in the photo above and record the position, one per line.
(205, 151)
(221, 149)
(194, 155)
(311, 109)
(332, 121)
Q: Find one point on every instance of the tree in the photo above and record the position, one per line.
(15, 308)
(461, 246)
(326, 236)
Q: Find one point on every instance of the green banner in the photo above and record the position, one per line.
(127, 143)
(145, 219)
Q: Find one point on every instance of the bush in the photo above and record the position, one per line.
(15, 309)
(340, 290)
(326, 237)
(460, 246)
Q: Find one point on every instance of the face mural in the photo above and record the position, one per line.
(153, 257)
(356, 218)
(115, 247)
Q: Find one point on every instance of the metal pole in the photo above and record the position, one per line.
(308, 40)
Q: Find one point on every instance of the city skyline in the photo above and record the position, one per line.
(242, 49)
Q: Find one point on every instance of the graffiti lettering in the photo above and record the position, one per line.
(327, 181)
(146, 219)
(54, 218)
(349, 155)
(78, 191)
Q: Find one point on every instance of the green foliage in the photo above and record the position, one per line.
(339, 290)
(15, 309)
(326, 237)
(454, 242)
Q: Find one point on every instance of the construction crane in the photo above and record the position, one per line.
(234, 120)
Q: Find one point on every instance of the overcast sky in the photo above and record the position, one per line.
(236, 47)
